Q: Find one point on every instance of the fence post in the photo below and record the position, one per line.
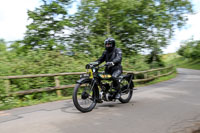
(7, 85)
(158, 73)
(145, 76)
(57, 86)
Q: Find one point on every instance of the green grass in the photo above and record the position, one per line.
(191, 64)
(15, 103)
(181, 62)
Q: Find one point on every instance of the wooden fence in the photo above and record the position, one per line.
(146, 74)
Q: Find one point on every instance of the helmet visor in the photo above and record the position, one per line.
(108, 45)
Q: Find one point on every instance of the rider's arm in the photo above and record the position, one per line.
(118, 58)
(102, 58)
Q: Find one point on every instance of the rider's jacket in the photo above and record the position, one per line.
(114, 56)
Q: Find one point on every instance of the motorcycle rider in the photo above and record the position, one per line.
(113, 58)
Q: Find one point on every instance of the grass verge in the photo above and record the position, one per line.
(15, 103)
(191, 64)
(181, 62)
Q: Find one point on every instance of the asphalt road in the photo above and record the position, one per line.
(168, 107)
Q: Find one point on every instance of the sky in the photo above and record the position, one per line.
(190, 30)
(14, 18)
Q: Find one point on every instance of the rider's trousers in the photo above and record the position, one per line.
(115, 71)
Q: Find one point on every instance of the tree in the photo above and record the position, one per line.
(190, 49)
(46, 30)
(135, 24)
(154, 58)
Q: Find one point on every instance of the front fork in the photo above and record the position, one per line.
(96, 90)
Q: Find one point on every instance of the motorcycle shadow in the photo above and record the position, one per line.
(113, 104)
(106, 105)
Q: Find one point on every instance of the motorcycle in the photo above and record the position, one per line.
(95, 87)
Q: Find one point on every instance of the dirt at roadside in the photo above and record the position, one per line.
(187, 126)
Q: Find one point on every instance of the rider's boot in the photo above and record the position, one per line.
(118, 95)
(118, 92)
(99, 101)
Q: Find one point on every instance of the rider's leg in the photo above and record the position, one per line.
(116, 83)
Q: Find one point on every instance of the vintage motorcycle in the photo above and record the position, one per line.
(95, 87)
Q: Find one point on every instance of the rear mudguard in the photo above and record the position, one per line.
(130, 77)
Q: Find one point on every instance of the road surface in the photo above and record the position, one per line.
(168, 107)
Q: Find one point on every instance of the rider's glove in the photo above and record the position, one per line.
(109, 64)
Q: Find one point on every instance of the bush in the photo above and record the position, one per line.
(48, 62)
(191, 49)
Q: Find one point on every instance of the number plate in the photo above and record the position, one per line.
(84, 75)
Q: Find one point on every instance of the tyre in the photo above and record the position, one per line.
(126, 92)
(84, 97)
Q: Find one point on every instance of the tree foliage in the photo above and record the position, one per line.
(191, 49)
(154, 58)
(2, 46)
(135, 24)
(46, 30)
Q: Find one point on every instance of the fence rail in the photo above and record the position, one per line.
(59, 87)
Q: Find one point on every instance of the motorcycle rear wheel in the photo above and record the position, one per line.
(126, 93)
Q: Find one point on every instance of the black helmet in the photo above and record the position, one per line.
(109, 44)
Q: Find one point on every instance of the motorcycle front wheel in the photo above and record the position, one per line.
(84, 97)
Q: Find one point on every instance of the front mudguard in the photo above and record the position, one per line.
(83, 80)
(94, 85)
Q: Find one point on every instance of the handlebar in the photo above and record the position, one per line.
(102, 66)
(93, 65)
